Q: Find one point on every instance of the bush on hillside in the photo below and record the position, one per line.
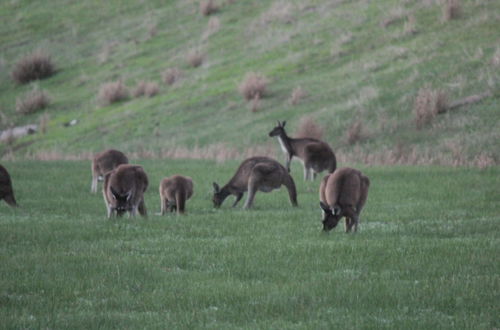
(208, 7)
(171, 76)
(309, 128)
(253, 85)
(144, 88)
(32, 102)
(34, 66)
(112, 92)
(428, 104)
(195, 58)
(298, 94)
(451, 9)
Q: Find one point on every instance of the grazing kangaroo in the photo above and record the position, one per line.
(316, 155)
(6, 192)
(343, 194)
(105, 162)
(174, 192)
(124, 189)
(254, 174)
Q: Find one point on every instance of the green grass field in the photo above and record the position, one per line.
(426, 256)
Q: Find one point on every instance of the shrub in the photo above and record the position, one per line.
(112, 92)
(451, 9)
(308, 128)
(428, 104)
(144, 88)
(354, 133)
(32, 102)
(35, 66)
(298, 94)
(253, 85)
(208, 7)
(195, 58)
(171, 76)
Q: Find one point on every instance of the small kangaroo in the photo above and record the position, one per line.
(174, 192)
(316, 155)
(124, 189)
(105, 162)
(6, 191)
(254, 174)
(343, 194)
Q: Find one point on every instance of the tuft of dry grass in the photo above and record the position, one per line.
(253, 85)
(112, 92)
(35, 66)
(144, 88)
(255, 104)
(171, 76)
(44, 123)
(309, 128)
(410, 25)
(213, 27)
(195, 58)
(396, 15)
(428, 104)
(298, 94)
(451, 9)
(32, 102)
(355, 132)
(495, 59)
(208, 7)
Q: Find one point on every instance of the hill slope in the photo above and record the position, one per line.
(358, 61)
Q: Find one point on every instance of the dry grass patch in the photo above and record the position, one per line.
(298, 94)
(428, 104)
(208, 7)
(43, 123)
(355, 132)
(171, 75)
(32, 102)
(495, 59)
(195, 58)
(450, 9)
(213, 27)
(396, 15)
(145, 88)
(112, 92)
(253, 85)
(35, 66)
(309, 128)
(410, 27)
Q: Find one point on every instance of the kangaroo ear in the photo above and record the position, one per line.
(283, 123)
(337, 210)
(325, 207)
(113, 192)
(216, 187)
(129, 195)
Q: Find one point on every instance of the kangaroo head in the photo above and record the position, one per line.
(121, 200)
(219, 195)
(278, 129)
(331, 216)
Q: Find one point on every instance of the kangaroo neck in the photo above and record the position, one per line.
(285, 143)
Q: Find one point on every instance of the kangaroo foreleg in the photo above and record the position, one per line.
(238, 198)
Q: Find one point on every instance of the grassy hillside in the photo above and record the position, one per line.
(422, 259)
(356, 60)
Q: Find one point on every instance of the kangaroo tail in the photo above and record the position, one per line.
(11, 200)
(180, 201)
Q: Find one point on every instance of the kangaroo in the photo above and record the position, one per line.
(254, 174)
(343, 194)
(174, 192)
(124, 189)
(105, 162)
(316, 155)
(6, 192)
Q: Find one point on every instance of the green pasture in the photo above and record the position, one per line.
(426, 255)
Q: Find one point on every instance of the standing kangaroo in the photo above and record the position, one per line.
(174, 192)
(254, 174)
(105, 162)
(6, 192)
(343, 194)
(316, 155)
(124, 189)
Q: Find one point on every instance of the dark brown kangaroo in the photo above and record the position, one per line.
(254, 174)
(174, 192)
(6, 192)
(316, 155)
(343, 194)
(105, 162)
(124, 189)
